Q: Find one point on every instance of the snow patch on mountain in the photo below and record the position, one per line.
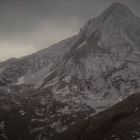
(21, 81)
(82, 44)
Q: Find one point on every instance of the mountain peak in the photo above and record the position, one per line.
(118, 8)
(114, 17)
(118, 4)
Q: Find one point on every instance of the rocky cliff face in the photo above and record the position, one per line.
(104, 62)
(33, 68)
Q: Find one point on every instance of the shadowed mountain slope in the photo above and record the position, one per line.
(120, 122)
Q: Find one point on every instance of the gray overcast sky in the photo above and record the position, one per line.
(29, 25)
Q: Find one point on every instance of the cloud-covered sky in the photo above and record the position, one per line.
(29, 25)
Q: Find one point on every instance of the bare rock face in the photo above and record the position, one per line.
(102, 67)
(75, 78)
(34, 67)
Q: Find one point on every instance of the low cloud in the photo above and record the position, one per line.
(13, 50)
(29, 25)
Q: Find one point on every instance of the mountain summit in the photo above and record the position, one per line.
(115, 18)
(118, 8)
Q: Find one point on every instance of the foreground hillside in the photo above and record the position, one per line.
(120, 122)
